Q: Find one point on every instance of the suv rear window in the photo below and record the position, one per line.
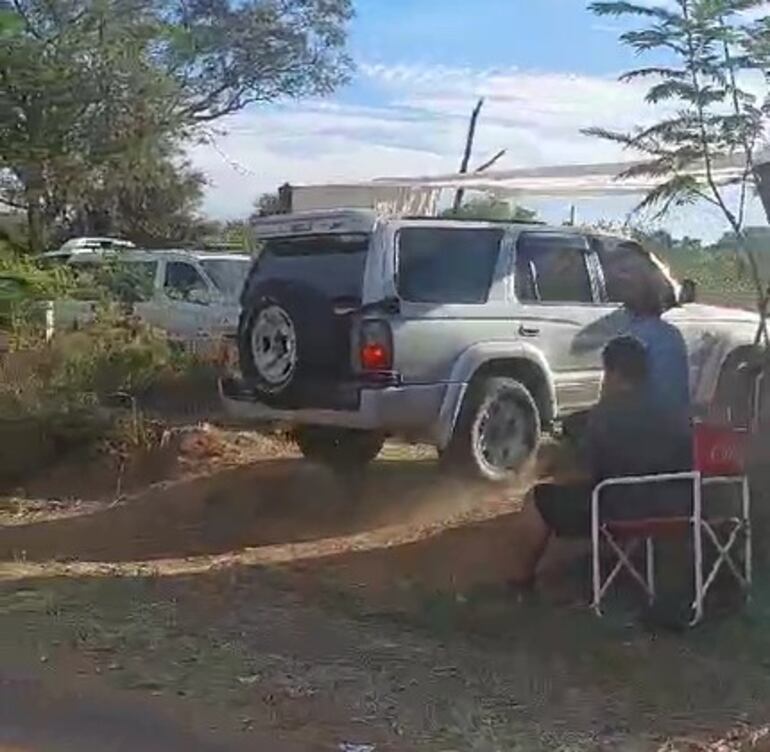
(447, 264)
(626, 263)
(317, 245)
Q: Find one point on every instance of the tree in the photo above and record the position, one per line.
(265, 206)
(82, 82)
(150, 197)
(492, 208)
(711, 46)
(75, 92)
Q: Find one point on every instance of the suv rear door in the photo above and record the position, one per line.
(558, 305)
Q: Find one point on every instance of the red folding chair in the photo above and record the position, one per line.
(719, 459)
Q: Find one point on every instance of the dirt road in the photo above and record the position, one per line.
(251, 601)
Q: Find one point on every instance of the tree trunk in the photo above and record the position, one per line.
(762, 173)
(32, 179)
(35, 225)
(458, 202)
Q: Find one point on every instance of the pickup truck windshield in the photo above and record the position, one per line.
(228, 275)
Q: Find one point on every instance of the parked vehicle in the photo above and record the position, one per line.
(472, 336)
(190, 294)
(88, 245)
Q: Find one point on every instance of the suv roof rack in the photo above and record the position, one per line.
(475, 219)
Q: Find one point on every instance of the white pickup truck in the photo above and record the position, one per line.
(192, 295)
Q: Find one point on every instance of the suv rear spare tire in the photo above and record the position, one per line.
(288, 334)
(342, 449)
(497, 431)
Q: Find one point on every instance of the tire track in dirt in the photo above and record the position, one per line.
(279, 512)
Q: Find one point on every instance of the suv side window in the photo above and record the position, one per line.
(447, 264)
(183, 282)
(551, 268)
(624, 264)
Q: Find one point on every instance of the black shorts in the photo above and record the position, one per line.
(566, 509)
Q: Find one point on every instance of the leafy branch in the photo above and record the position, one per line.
(717, 120)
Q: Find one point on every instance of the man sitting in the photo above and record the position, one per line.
(629, 432)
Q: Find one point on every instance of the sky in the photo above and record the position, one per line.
(547, 68)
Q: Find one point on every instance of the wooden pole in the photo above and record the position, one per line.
(467, 153)
(762, 174)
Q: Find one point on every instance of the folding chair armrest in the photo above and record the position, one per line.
(638, 480)
(634, 480)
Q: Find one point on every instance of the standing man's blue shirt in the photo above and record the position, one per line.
(668, 362)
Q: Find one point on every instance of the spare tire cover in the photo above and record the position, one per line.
(289, 335)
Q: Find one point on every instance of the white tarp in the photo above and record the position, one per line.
(421, 194)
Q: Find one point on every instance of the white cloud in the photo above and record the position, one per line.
(419, 128)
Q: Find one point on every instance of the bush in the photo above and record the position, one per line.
(115, 353)
(52, 396)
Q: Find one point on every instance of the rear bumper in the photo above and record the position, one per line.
(408, 410)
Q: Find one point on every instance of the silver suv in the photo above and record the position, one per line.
(472, 336)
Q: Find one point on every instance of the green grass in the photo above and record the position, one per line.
(506, 672)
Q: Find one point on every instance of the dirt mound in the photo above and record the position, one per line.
(273, 502)
(227, 499)
(181, 453)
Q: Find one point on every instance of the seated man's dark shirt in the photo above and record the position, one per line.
(634, 435)
(626, 435)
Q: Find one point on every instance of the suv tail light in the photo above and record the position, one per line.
(376, 346)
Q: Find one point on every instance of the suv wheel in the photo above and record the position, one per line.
(342, 449)
(273, 346)
(497, 430)
(735, 388)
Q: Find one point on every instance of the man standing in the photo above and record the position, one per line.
(669, 371)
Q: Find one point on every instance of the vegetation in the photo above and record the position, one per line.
(59, 396)
(96, 98)
(705, 48)
(489, 207)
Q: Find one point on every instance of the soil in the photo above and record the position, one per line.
(229, 584)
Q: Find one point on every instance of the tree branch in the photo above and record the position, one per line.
(486, 165)
(28, 22)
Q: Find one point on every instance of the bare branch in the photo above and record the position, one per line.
(486, 165)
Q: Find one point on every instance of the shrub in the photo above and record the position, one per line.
(115, 353)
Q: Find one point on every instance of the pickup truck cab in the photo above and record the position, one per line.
(191, 295)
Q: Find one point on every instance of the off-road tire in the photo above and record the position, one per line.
(466, 450)
(735, 388)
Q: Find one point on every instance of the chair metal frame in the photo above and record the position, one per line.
(699, 526)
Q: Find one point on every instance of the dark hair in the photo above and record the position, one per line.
(645, 299)
(626, 356)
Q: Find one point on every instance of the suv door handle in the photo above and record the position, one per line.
(528, 331)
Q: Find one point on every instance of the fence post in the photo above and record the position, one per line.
(762, 174)
(49, 320)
